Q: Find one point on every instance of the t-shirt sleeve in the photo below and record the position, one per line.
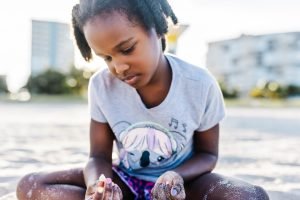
(94, 102)
(214, 110)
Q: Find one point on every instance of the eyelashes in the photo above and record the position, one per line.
(127, 51)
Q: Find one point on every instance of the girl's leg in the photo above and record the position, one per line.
(67, 184)
(213, 186)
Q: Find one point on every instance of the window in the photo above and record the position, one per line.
(259, 58)
(225, 47)
(272, 44)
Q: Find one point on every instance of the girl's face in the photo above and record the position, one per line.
(132, 54)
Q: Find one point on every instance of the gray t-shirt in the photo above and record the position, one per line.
(152, 141)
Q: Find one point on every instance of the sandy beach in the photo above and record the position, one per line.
(259, 145)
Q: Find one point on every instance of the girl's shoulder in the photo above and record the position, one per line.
(189, 71)
(100, 74)
(103, 78)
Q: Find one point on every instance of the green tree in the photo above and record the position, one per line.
(54, 82)
(78, 80)
(270, 90)
(293, 90)
(49, 82)
(229, 93)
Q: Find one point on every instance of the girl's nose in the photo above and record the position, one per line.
(121, 68)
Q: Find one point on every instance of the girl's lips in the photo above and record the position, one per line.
(131, 80)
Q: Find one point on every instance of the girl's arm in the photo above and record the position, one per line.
(205, 158)
(100, 158)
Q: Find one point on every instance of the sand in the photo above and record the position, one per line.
(260, 146)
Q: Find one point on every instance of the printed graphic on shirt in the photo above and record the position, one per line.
(147, 144)
(174, 123)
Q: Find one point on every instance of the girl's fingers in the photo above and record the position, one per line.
(98, 196)
(177, 192)
(154, 192)
(100, 186)
(117, 193)
(90, 197)
(174, 185)
(120, 193)
(163, 191)
(100, 189)
(108, 191)
(158, 191)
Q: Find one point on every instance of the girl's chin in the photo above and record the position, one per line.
(136, 82)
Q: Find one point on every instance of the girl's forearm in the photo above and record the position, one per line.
(94, 168)
(199, 164)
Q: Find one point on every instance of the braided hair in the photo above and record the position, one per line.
(147, 13)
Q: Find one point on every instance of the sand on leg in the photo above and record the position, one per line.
(65, 184)
(213, 186)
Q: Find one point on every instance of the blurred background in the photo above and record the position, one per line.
(252, 47)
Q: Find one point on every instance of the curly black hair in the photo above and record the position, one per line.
(147, 13)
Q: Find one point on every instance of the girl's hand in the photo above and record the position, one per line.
(105, 189)
(169, 186)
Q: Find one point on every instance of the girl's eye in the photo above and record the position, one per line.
(128, 51)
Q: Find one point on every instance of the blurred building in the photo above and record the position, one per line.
(246, 61)
(174, 32)
(3, 85)
(51, 47)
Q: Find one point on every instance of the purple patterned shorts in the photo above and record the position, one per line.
(140, 188)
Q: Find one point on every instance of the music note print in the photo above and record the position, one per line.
(175, 121)
(184, 125)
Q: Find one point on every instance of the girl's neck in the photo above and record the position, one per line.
(157, 90)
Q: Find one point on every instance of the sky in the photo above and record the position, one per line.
(209, 20)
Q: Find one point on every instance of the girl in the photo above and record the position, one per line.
(162, 112)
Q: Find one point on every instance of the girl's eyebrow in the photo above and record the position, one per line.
(118, 46)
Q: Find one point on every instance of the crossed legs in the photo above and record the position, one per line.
(69, 185)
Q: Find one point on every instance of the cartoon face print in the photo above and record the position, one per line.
(146, 145)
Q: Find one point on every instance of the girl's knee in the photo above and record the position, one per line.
(28, 185)
(248, 192)
(261, 194)
(215, 187)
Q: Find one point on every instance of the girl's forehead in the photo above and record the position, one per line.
(110, 18)
(109, 25)
(103, 33)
